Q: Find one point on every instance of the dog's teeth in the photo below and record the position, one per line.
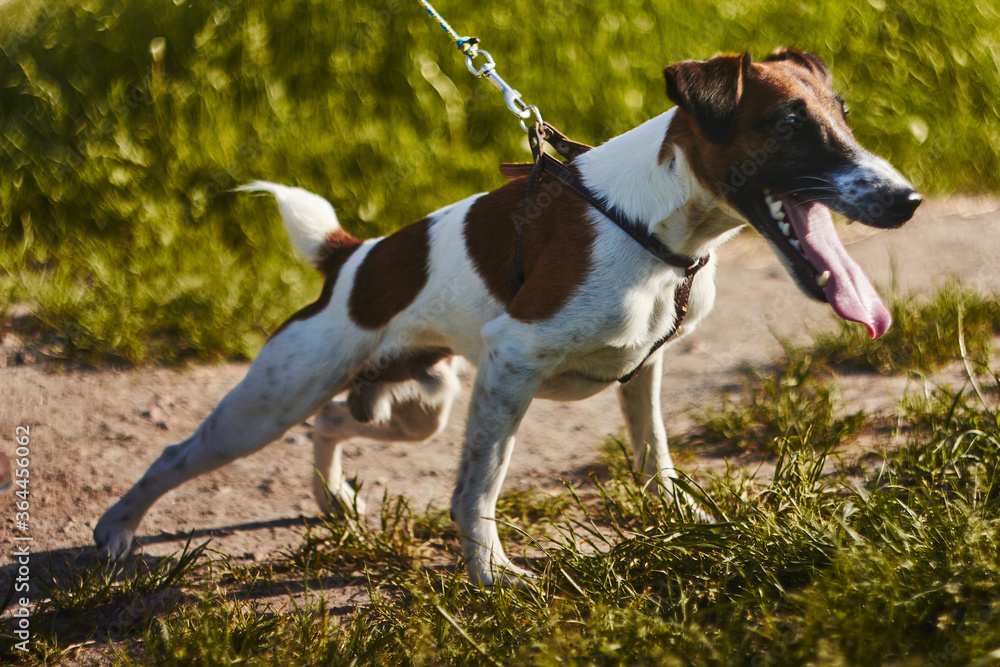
(776, 211)
(823, 279)
(769, 200)
(795, 244)
(786, 228)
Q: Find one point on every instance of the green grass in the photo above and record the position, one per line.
(116, 224)
(81, 599)
(804, 568)
(395, 546)
(797, 402)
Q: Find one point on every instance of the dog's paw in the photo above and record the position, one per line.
(340, 502)
(114, 541)
(689, 508)
(505, 575)
(699, 514)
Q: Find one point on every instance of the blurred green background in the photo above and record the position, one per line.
(124, 124)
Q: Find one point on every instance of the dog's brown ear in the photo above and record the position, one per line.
(710, 90)
(810, 61)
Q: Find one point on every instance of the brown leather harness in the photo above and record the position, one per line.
(566, 174)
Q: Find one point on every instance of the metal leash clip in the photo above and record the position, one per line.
(511, 96)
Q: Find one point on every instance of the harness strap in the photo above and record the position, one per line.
(565, 146)
(569, 149)
(515, 282)
(567, 175)
(681, 297)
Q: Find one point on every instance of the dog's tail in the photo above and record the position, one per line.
(309, 219)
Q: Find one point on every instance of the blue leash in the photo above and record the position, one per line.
(467, 45)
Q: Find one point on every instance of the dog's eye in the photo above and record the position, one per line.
(794, 120)
(790, 118)
(796, 116)
(844, 109)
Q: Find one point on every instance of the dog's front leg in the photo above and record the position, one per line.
(640, 403)
(504, 388)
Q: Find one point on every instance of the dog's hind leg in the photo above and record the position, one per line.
(640, 403)
(409, 411)
(282, 388)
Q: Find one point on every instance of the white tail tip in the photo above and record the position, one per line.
(308, 218)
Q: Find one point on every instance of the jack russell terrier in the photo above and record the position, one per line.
(761, 142)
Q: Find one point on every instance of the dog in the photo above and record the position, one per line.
(759, 142)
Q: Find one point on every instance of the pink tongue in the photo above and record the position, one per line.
(848, 290)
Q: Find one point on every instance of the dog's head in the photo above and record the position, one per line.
(771, 140)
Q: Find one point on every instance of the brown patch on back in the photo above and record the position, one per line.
(330, 257)
(390, 276)
(557, 244)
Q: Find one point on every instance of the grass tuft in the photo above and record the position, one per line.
(82, 601)
(924, 335)
(796, 403)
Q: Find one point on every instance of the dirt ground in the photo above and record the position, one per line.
(93, 433)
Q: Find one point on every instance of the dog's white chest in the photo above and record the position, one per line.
(616, 338)
(647, 312)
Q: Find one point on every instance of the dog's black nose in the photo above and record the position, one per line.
(903, 206)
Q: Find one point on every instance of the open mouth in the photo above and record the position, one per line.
(803, 235)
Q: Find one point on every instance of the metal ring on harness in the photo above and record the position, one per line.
(529, 109)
